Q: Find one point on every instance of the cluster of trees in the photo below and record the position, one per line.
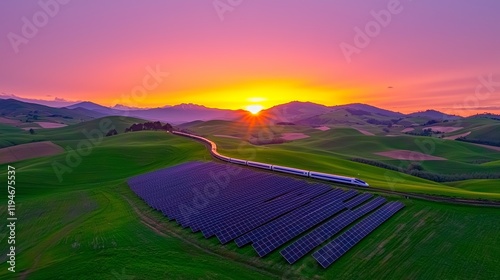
(32, 116)
(112, 132)
(60, 116)
(488, 116)
(477, 141)
(143, 126)
(379, 122)
(431, 122)
(149, 126)
(424, 132)
(417, 170)
(356, 112)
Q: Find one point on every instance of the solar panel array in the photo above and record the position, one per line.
(340, 245)
(266, 210)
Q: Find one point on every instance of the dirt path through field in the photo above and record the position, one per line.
(495, 148)
(454, 137)
(293, 136)
(162, 230)
(364, 132)
(408, 155)
(444, 129)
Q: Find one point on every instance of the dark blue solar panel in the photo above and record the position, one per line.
(308, 242)
(252, 206)
(232, 217)
(340, 245)
(357, 200)
(237, 206)
(284, 220)
(280, 237)
(247, 221)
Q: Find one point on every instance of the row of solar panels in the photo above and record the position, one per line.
(263, 209)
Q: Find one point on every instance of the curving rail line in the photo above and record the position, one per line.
(324, 176)
(277, 168)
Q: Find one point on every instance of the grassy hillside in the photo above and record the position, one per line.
(332, 150)
(312, 159)
(477, 185)
(91, 225)
(90, 228)
(480, 128)
(13, 136)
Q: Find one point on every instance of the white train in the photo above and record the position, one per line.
(278, 168)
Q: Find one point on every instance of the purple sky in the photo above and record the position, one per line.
(431, 53)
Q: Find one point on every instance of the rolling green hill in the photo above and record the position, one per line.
(92, 225)
(475, 128)
(85, 225)
(12, 136)
(483, 130)
(332, 150)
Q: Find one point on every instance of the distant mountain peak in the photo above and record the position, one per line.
(295, 110)
(296, 102)
(97, 108)
(19, 109)
(86, 105)
(369, 109)
(124, 107)
(188, 106)
(434, 114)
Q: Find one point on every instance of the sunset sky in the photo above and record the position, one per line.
(232, 54)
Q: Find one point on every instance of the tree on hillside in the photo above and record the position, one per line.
(112, 132)
(32, 131)
(149, 126)
(168, 127)
(415, 166)
(136, 127)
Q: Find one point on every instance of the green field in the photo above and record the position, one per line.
(91, 226)
(332, 150)
(85, 225)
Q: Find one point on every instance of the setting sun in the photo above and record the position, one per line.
(254, 109)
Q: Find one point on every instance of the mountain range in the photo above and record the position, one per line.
(305, 113)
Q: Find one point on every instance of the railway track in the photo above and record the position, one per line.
(212, 147)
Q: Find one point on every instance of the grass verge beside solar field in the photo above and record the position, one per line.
(92, 225)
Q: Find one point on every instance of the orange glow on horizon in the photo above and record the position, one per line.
(261, 94)
(254, 109)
